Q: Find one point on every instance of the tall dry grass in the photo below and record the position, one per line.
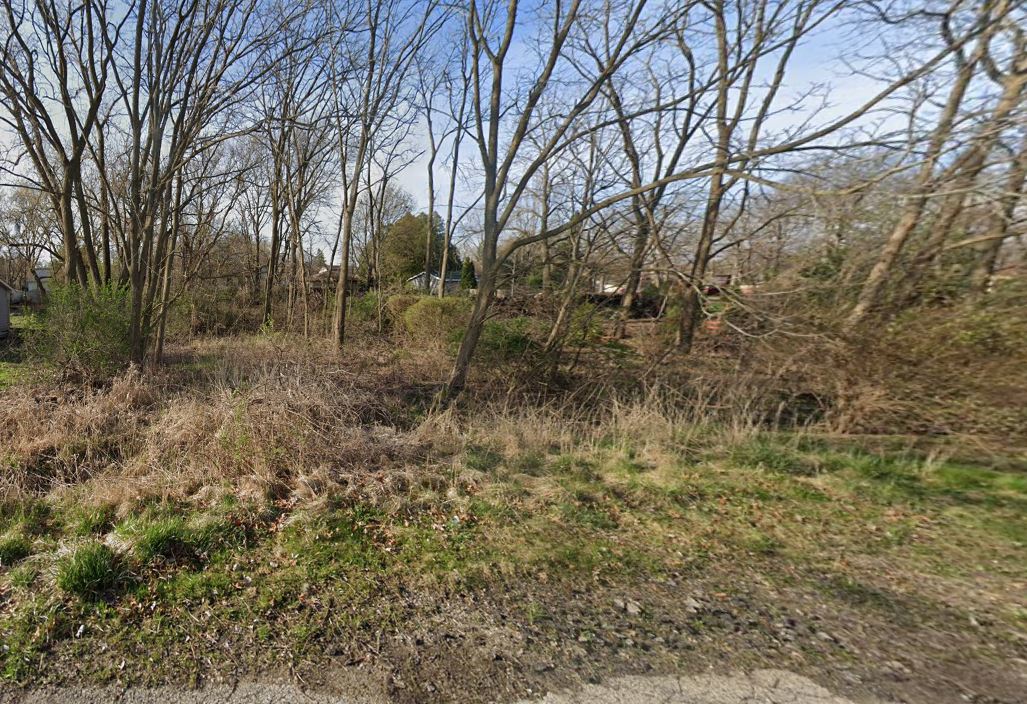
(274, 417)
(267, 419)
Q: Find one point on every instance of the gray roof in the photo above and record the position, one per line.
(4, 284)
(450, 275)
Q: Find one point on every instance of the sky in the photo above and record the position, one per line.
(820, 62)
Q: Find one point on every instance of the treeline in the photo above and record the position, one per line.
(158, 147)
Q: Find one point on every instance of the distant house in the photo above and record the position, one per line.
(5, 308)
(35, 286)
(452, 281)
(646, 279)
(326, 279)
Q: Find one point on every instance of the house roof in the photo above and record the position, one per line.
(4, 284)
(450, 275)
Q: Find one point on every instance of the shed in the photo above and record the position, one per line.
(5, 308)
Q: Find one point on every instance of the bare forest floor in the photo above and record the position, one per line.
(263, 509)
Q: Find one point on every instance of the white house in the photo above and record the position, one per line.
(452, 281)
(5, 308)
(33, 294)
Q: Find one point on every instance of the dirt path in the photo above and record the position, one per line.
(759, 687)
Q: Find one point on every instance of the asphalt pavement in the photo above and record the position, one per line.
(759, 687)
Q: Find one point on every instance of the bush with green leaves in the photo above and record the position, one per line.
(433, 319)
(468, 280)
(585, 325)
(364, 308)
(90, 571)
(506, 338)
(84, 329)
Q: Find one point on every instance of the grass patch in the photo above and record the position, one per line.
(14, 548)
(90, 572)
(90, 520)
(30, 517)
(10, 374)
(481, 459)
(23, 577)
(289, 572)
(165, 539)
(762, 453)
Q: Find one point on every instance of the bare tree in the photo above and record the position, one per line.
(390, 34)
(985, 24)
(55, 65)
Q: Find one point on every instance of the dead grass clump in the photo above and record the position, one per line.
(261, 418)
(58, 435)
(279, 435)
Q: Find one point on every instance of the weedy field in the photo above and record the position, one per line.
(261, 508)
(462, 352)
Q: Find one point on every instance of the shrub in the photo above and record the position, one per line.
(364, 308)
(214, 310)
(86, 330)
(90, 571)
(506, 338)
(397, 305)
(585, 325)
(467, 278)
(437, 319)
(12, 549)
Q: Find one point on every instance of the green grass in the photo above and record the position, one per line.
(31, 517)
(165, 539)
(22, 577)
(291, 574)
(89, 520)
(13, 548)
(9, 374)
(13, 369)
(90, 572)
(481, 459)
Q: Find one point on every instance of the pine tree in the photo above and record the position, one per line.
(467, 278)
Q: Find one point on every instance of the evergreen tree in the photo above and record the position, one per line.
(403, 248)
(467, 278)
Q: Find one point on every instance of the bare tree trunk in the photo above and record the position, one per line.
(543, 225)
(458, 135)
(998, 224)
(433, 150)
(462, 364)
(873, 288)
(169, 268)
(691, 303)
(272, 259)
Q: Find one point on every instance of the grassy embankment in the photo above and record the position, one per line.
(218, 519)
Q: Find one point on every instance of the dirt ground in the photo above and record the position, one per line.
(473, 648)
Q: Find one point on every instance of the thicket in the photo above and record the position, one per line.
(83, 332)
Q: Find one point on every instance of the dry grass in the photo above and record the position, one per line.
(269, 419)
(253, 418)
(270, 482)
(272, 417)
